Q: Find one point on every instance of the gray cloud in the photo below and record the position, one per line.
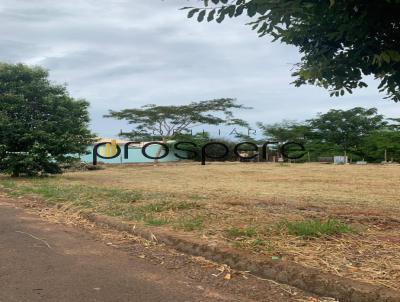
(126, 53)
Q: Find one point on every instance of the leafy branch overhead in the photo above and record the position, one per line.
(164, 121)
(340, 40)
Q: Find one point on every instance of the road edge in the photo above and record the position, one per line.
(283, 271)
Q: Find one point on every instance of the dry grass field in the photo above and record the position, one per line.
(342, 219)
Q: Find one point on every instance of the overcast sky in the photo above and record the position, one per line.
(127, 53)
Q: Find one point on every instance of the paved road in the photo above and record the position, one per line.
(49, 262)
(46, 262)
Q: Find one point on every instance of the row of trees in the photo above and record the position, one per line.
(340, 41)
(42, 127)
(359, 133)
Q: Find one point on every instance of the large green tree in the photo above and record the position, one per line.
(299, 132)
(340, 40)
(346, 129)
(382, 145)
(41, 126)
(163, 122)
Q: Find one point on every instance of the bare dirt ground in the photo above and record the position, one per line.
(246, 205)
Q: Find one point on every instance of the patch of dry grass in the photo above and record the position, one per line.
(245, 205)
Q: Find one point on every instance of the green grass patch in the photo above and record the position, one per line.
(190, 223)
(112, 202)
(235, 232)
(142, 211)
(105, 200)
(55, 193)
(317, 228)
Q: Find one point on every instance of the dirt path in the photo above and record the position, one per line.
(44, 261)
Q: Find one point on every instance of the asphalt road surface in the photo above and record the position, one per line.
(68, 267)
(44, 261)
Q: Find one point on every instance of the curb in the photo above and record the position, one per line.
(287, 272)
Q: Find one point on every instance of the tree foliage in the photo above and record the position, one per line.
(377, 143)
(285, 131)
(346, 128)
(339, 40)
(152, 121)
(360, 132)
(41, 126)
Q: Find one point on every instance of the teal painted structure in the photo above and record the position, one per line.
(135, 156)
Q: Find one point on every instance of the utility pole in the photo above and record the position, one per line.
(385, 155)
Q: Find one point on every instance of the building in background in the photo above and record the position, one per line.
(134, 153)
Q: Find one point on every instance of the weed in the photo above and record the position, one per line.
(235, 232)
(191, 223)
(317, 228)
